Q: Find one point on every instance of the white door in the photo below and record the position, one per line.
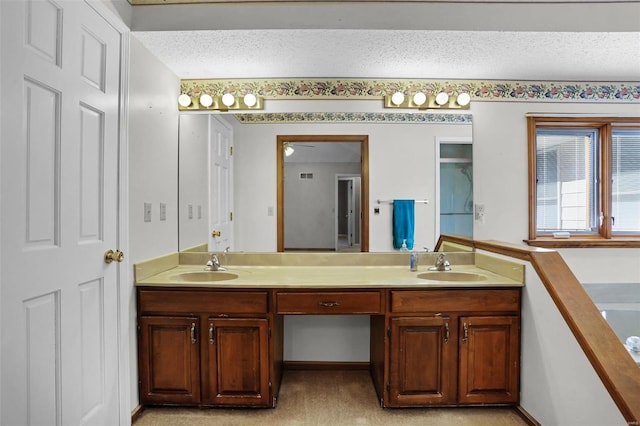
(59, 300)
(350, 208)
(220, 184)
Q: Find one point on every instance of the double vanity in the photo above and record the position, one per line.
(437, 338)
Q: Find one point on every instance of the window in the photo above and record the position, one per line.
(584, 182)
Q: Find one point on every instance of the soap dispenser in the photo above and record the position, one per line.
(413, 261)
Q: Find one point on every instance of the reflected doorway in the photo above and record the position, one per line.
(454, 183)
(348, 212)
(307, 205)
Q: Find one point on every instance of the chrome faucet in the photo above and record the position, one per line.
(214, 263)
(442, 264)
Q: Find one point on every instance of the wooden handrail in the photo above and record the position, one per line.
(617, 370)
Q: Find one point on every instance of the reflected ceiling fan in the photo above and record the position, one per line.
(288, 149)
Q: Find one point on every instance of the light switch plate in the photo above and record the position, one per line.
(147, 212)
(190, 211)
(163, 211)
(199, 211)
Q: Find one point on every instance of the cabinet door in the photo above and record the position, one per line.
(238, 362)
(169, 360)
(422, 362)
(489, 360)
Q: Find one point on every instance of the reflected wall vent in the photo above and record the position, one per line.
(306, 175)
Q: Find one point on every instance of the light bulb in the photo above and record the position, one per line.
(463, 99)
(250, 99)
(397, 98)
(184, 100)
(419, 98)
(228, 99)
(442, 98)
(206, 100)
(288, 150)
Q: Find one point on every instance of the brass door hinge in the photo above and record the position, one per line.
(231, 216)
(231, 151)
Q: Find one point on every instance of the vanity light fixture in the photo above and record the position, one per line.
(288, 149)
(225, 102)
(420, 100)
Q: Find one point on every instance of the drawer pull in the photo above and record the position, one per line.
(211, 339)
(329, 304)
(193, 332)
(466, 332)
(446, 332)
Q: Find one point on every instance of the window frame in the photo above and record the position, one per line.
(605, 126)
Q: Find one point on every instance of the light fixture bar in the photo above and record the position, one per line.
(422, 101)
(225, 102)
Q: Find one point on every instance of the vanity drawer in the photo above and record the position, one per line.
(456, 300)
(187, 301)
(329, 302)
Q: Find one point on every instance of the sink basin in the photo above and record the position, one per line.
(451, 276)
(205, 276)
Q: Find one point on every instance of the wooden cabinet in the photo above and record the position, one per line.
(169, 355)
(205, 347)
(422, 369)
(453, 347)
(429, 347)
(489, 359)
(237, 371)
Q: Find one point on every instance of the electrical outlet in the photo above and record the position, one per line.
(479, 212)
(190, 211)
(163, 211)
(270, 211)
(147, 212)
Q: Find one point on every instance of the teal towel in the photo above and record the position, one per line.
(403, 222)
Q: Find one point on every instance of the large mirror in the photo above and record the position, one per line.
(402, 162)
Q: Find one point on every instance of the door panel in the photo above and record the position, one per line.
(238, 362)
(169, 360)
(422, 362)
(220, 194)
(59, 174)
(489, 359)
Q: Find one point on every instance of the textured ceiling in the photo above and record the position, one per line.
(435, 39)
(344, 53)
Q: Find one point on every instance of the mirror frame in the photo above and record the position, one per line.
(364, 179)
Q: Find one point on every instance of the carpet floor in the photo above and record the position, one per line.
(336, 398)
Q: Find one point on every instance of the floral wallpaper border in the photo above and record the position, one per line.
(480, 90)
(354, 117)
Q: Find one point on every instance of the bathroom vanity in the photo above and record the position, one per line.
(441, 340)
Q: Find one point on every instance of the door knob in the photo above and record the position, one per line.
(215, 233)
(111, 255)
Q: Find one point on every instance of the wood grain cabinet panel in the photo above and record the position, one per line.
(152, 301)
(489, 359)
(238, 367)
(169, 360)
(422, 362)
(329, 302)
